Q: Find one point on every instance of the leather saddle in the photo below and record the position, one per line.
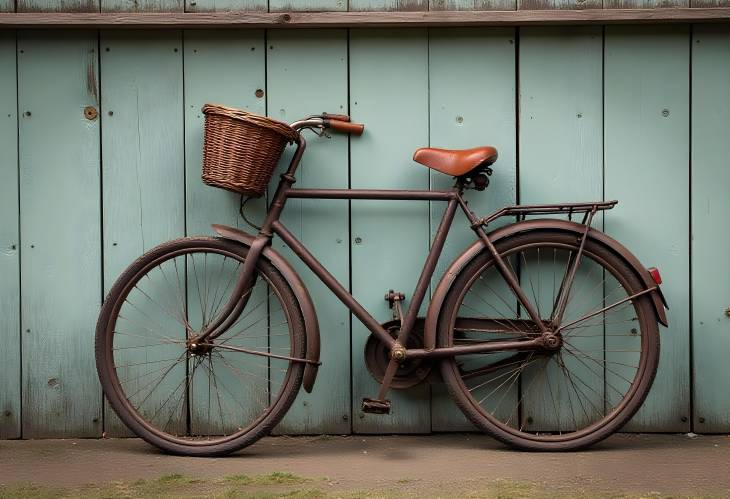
(456, 162)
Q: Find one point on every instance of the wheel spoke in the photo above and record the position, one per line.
(555, 395)
(196, 393)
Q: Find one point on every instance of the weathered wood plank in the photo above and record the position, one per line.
(708, 3)
(143, 195)
(388, 5)
(225, 5)
(368, 19)
(9, 243)
(477, 108)
(561, 160)
(222, 67)
(471, 5)
(644, 4)
(60, 233)
(307, 5)
(322, 225)
(7, 5)
(390, 239)
(646, 168)
(558, 4)
(64, 6)
(710, 241)
(142, 5)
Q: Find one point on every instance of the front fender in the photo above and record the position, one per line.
(439, 294)
(311, 324)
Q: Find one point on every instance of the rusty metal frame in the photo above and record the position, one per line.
(532, 340)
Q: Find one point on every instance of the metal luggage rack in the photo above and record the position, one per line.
(521, 212)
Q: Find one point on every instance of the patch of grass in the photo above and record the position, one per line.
(275, 478)
(24, 490)
(293, 494)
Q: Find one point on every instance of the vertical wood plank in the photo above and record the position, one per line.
(142, 5)
(561, 155)
(60, 233)
(7, 5)
(58, 5)
(143, 163)
(307, 5)
(390, 239)
(296, 56)
(225, 5)
(561, 160)
(9, 242)
(558, 4)
(477, 108)
(222, 67)
(385, 5)
(646, 169)
(709, 3)
(710, 241)
(472, 4)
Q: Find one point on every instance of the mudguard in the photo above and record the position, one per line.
(444, 285)
(311, 325)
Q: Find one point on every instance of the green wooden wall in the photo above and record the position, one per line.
(634, 113)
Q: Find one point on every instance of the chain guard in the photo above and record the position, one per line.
(411, 372)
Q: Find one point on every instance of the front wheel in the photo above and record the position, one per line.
(563, 398)
(199, 400)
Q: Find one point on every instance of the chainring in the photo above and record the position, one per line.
(410, 372)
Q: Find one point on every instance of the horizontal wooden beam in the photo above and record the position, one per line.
(361, 19)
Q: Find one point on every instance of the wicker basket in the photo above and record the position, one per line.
(241, 149)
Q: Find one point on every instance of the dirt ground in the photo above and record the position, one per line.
(446, 465)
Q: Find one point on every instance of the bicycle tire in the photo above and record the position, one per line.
(512, 433)
(198, 444)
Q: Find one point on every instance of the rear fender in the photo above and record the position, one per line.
(311, 325)
(441, 291)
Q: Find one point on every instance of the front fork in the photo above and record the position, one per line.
(239, 297)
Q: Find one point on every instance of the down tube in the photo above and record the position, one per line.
(333, 284)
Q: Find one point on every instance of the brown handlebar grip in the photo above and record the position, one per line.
(343, 126)
(338, 117)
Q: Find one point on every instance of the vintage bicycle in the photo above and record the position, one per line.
(545, 330)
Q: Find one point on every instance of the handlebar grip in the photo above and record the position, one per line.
(338, 117)
(345, 127)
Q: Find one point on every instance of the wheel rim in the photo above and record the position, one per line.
(205, 396)
(556, 396)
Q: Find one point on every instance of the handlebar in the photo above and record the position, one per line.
(338, 117)
(345, 127)
(326, 121)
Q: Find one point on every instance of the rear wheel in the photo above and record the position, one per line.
(562, 398)
(198, 399)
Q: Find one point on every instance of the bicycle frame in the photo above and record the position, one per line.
(273, 226)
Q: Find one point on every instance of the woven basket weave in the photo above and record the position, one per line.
(241, 149)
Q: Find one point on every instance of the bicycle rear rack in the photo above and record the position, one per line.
(522, 211)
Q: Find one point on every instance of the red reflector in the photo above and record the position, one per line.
(655, 275)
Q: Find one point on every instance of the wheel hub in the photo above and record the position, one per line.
(195, 348)
(552, 341)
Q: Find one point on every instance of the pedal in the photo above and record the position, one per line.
(372, 406)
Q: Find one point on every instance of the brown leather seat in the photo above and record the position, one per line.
(455, 162)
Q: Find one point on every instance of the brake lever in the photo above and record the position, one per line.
(320, 132)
